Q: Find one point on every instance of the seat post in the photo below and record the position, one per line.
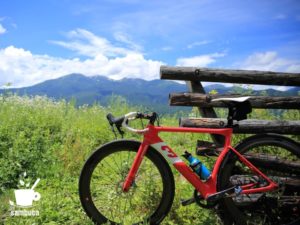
(230, 117)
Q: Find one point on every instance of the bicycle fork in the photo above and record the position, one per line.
(135, 166)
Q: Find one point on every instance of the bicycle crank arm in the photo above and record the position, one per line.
(187, 201)
(221, 194)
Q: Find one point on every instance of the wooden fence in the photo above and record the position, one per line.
(196, 96)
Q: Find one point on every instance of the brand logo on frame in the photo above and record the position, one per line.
(166, 152)
(25, 196)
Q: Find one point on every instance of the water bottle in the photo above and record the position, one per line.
(197, 166)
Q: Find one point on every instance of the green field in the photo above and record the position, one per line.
(51, 140)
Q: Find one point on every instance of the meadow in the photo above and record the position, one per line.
(51, 140)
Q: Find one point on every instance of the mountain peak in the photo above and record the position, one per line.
(91, 89)
(72, 76)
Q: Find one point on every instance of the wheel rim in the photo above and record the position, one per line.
(143, 198)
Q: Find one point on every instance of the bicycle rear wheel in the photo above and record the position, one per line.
(278, 158)
(100, 186)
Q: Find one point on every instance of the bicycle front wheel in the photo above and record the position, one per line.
(100, 186)
(278, 158)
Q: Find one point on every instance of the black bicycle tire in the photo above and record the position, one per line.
(227, 205)
(161, 164)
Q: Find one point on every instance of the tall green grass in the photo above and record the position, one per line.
(52, 139)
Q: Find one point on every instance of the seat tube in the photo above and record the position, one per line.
(135, 166)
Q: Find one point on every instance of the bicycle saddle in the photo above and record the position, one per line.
(236, 99)
(238, 107)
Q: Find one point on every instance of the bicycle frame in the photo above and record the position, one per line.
(205, 188)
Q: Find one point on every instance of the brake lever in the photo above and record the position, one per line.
(120, 131)
(113, 130)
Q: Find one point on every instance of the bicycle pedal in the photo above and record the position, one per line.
(187, 201)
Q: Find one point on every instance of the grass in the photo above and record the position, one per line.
(52, 139)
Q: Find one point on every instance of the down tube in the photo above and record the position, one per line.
(205, 188)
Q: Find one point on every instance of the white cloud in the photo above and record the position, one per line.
(119, 36)
(23, 68)
(270, 61)
(2, 29)
(167, 48)
(88, 44)
(198, 43)
(199, 61)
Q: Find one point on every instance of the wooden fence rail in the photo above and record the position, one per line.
(229, 76)
(204, 100)
(250, 126)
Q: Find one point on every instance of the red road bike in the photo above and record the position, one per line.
(130, 182)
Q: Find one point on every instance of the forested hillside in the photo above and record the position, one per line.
(152, 95)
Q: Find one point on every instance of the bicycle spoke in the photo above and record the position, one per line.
(139, 201)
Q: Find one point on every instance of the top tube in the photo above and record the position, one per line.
(226, 132)
(221, 131)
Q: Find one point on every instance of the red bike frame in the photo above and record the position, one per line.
(205, 188)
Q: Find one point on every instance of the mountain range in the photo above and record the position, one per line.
(99, 89)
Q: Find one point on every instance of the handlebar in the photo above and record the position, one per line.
(123, 121)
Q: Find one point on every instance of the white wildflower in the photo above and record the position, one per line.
(22, 182)
(11, 203)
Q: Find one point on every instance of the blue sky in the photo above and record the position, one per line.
(42, 40)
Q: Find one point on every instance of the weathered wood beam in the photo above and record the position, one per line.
(289, 181)
(209, 112)
(229, 76)
(273, 163)
(204, 100)
(246, 126)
